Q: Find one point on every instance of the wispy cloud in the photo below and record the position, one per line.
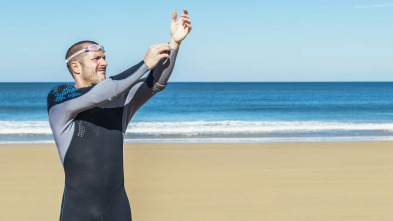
(374, 6)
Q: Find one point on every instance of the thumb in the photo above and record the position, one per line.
(174, 16)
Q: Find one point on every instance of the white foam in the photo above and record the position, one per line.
(250, 127)
(209, 127)
(25, 128)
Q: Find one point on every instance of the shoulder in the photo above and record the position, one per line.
(62, 93)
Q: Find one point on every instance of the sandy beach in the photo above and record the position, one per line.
(205, 181)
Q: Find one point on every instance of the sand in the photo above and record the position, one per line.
(195, 181)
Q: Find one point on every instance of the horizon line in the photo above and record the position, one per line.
(25, 82)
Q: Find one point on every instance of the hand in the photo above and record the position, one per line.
(181, 27)
(155, 53)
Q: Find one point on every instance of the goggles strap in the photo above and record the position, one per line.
(86, 49)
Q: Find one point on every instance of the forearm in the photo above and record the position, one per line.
(159, 76)
(129, 77)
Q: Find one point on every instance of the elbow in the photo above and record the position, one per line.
(154, 85)
(158, 87)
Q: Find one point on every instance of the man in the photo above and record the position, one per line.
(89, 121)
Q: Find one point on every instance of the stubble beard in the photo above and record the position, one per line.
(90, 76)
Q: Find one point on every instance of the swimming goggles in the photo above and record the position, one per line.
(93, 47)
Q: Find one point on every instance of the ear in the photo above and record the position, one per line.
(76, 67)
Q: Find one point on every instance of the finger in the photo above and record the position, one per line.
(189, 28)
(184, 16)
(174, 16)
(186, 20)
(163, 55)
(185, 11)
(164, 49)
(160, 45)
(163, 45)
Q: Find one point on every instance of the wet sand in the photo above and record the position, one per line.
(205, 181)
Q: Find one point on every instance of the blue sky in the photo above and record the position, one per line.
(281, 40)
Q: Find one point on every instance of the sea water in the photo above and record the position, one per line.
(226, 112)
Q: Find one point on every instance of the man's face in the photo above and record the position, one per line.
(94, 67)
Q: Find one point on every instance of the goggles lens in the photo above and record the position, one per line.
(94, 48)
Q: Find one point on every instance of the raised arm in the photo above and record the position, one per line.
(158, 77)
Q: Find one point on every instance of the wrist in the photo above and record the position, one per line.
(148, 65)
(173, 44)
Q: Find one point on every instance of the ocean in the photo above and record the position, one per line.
(226, 112)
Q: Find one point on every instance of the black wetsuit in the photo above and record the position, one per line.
(89, 125)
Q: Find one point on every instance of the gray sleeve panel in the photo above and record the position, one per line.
(61, 116)
(163, 71)
(63, 130)
(138, 95)
(141, 92)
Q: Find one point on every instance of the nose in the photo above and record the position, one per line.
(103, 62)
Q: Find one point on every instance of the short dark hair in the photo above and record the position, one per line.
(75, 48)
